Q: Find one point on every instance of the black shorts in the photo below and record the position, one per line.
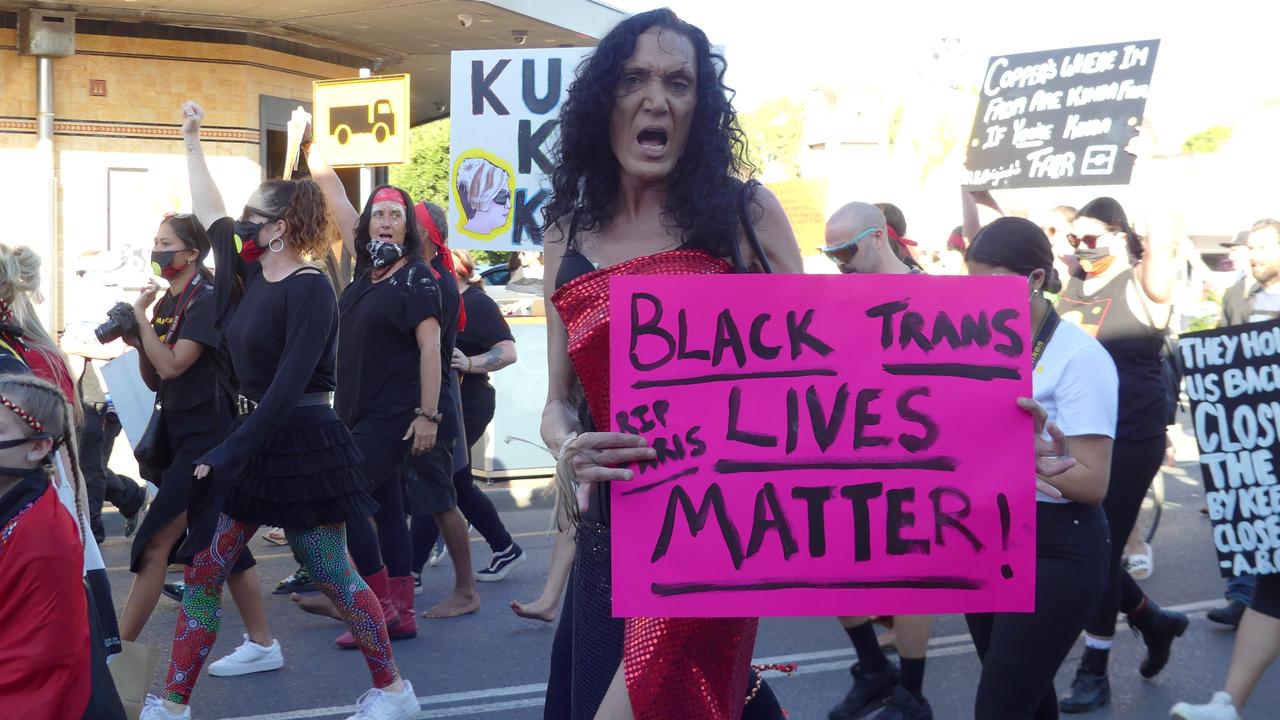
(429, 485)
(1266, 596)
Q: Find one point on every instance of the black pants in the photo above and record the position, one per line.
(97, 436)
(1134, 464)
(389, 545)
(1021, 652)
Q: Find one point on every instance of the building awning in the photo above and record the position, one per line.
(394, 36)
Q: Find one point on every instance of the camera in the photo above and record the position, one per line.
(465, 20)
(120, 323)
(520, 37)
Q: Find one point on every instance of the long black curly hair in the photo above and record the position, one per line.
(412, 236)
(703, 189)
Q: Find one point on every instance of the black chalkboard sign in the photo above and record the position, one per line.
(1059, 117)
(1233, 380)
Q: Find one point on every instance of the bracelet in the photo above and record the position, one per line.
(436, 417)
(469, 363)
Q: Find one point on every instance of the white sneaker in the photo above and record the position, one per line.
(153, 709)
(439, 552)
(383, 705)
(1219, 708)
(250, 657)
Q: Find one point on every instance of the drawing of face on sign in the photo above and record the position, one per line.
(484, 193)
(1088, 314)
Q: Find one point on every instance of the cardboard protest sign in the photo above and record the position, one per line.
(1059, 117)
(1233, 380)
(827, 445)
(505, 122)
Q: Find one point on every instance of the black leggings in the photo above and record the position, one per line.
(1134, 464)
(390, 544)
(1021, 652)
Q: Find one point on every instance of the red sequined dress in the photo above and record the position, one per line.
(675, 667)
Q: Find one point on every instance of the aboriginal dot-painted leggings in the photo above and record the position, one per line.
(323, 552)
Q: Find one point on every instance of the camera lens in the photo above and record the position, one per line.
(109, 331)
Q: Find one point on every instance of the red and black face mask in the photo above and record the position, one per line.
(247, 243)
(162, 264)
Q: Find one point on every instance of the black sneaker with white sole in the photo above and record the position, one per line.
(501, 564)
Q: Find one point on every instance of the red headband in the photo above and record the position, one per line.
(35, 425)
(437, 239)
(387, 194)
(900, 240)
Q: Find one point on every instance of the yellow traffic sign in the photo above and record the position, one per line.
(363, 121)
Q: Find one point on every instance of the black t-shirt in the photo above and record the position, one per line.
(485, 328)
(209, 374)
(282, 337)
(378, 358)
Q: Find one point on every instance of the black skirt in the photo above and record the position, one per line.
(304, 477)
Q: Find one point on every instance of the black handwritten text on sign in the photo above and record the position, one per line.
(1233, 380)
(826, 445)
(1059, 117)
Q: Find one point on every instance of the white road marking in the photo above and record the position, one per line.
(837, 660)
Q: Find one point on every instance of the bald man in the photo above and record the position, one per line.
(857, 241)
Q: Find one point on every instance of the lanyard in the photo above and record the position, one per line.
(1043, 334)
(183, 301)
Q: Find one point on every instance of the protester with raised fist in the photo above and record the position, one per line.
(289, 462)
(1121, 295)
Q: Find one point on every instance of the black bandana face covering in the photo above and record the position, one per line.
(384, 253)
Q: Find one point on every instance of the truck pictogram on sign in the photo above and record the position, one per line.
(363, 122)
(377, 119)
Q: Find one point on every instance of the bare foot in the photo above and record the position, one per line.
(316, 605)
(453, 606)
(540, 609)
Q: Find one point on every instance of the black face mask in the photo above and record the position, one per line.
(384, 253)
(162, 263)
(18, 472)
(250, 248)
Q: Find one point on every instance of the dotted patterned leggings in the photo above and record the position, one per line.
(323, 551)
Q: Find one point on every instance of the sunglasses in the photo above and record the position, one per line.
(503, 197)
(1089, 241)
(845, 252)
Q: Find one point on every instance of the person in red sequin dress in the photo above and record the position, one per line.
(646, 182)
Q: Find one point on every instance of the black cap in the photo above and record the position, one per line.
(1242, 240)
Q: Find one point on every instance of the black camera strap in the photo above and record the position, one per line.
(1044, 334)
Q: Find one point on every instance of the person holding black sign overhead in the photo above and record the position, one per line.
(289, 462)
(646, 182)
(1121, 295)
(1074, 379)
(183, 359)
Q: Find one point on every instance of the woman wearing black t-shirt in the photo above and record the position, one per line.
(289, 462)
(397, 337)
(182, 357)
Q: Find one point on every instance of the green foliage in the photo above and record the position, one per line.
(1207, 141)
(773, 133)
(426, 176)
(489, 257)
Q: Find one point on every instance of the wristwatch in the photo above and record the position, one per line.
(435, 417)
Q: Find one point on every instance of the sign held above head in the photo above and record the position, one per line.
(504, 128)
(363, 121)
(1059, 117)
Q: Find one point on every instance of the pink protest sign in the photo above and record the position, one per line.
(828, 445)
